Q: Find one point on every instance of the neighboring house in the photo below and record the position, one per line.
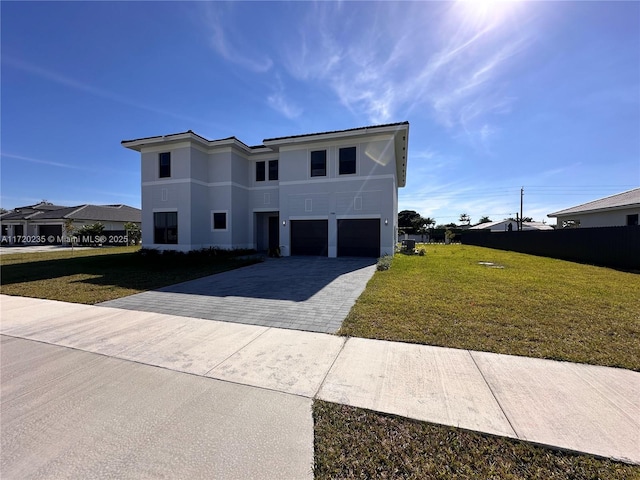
(45, 223)
(330, 194)
(614, 211)
(503, 226)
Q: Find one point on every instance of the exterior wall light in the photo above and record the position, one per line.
(284, 223)
(386, 221)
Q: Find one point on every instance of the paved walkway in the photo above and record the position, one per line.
(301, 293)
(576, 407)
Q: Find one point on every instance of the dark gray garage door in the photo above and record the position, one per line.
(359, 238)
(49, 231)
(309, 237)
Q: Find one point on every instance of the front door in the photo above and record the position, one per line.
(274, 233)
(18, 233)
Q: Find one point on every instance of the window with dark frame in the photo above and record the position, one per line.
(632, 220)
(273, 169)
(165, 227)
(260, 172)
(347, 160)
(220, 220)
(164, 160)
(319, 163)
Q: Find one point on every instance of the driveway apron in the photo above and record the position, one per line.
(301, 293)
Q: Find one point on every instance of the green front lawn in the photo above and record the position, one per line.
(521, 305)
(101, 274)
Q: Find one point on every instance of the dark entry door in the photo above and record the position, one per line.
(18, 233)
(309, 237)
(274, 233)
(359, 237)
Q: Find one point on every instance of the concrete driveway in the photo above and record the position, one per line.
(68, 413)
(301, 293)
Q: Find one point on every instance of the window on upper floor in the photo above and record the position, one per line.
(632, 219)
(165, 227)
(319, 163)
(260, 172)
(347, 159)
(273, 169)
(219, 220)
(164, 165)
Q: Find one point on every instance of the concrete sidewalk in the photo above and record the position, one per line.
(583, 408)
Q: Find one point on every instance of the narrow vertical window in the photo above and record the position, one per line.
(319, 163)
(164, 160)
(347, 158)
(260, 172)
(273, 169)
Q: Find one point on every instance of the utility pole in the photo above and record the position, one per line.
(521, 195)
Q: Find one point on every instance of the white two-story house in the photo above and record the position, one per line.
(329, 194)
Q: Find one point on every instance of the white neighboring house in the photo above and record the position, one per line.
(503, 226)
(45, 223)
(330, 194)
(614, 211)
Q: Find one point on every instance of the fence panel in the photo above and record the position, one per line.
(617, 247)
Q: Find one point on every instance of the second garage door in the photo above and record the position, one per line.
(52, 233)
(359, 237)
(309, 237)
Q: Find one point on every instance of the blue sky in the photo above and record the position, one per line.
(500, 95)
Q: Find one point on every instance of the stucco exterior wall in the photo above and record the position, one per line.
(220, 201)
(220, 166)
(369, 193)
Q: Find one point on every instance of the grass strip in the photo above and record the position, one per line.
(352, 443)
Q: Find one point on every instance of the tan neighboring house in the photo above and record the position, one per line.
(617, 210)
(45, 223)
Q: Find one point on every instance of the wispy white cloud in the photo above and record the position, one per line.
(111, 194)
(554, 172)
(279, 101)
(429, 164)
(90, 89)
(41, 162)
(229, 44)
(407, 57)
(387, 60)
